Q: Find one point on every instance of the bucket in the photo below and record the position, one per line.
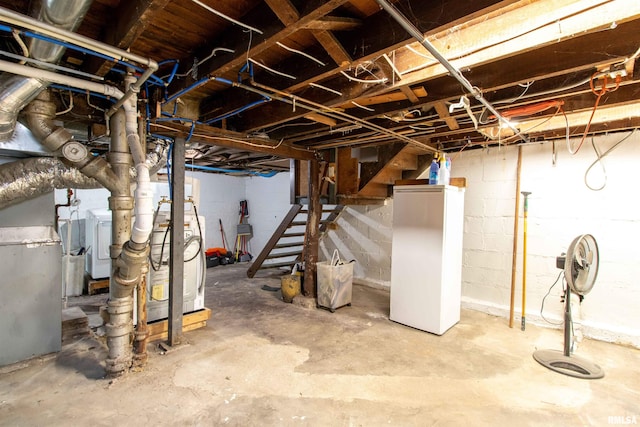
(290, 286)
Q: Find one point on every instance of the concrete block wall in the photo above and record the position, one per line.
(220, 197)
(561, 207)
(364, 234)
(268, 200)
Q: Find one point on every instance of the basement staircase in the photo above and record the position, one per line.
(372, 182)
(285, 247)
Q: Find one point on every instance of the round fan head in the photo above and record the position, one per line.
(581, 265)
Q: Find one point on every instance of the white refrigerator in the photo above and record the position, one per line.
(426, 258)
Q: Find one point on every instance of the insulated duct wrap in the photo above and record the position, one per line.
(17, 91)
(28, 178)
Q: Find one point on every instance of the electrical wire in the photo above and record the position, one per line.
(280, 73)
(319, 86)
(299, 52)
(545, 297)
(196, 64)
(228, 138)
(25, 50)
(499, 136)
(228, 18)
(69, 108)
(267, 131)
(599, 95)
(599, 160)
(362, 106)
(355, 79)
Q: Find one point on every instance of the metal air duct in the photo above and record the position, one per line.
(24, 179)
(17, 91)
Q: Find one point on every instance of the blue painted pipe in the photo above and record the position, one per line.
(187, 89)
(237, 111)
(214, 169)
(80, 49)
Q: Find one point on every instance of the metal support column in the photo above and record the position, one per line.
(176, 258)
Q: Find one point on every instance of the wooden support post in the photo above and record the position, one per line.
(514, 255)
(176, 257)
(312, 234)
(293, 181)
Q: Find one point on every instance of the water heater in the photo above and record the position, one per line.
(194, 267)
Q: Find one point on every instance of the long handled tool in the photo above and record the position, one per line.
(524, 257)
(514, 255)
(225, 244)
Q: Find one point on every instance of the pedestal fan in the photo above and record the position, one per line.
(580, 266)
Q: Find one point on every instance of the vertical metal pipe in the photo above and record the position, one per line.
(567, 320)
(142, 332)
(120, 305)
(121, 202)
(524, 258)
(176, 263)
(455, 73)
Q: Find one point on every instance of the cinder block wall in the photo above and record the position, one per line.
(561, 207)
(220, 197)
(269, 202)
(363, 234)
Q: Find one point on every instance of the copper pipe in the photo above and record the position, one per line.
(142, 332)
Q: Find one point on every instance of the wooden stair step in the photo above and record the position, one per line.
(283, 254)
(301, 234)
(288, 245)
(325, 210)
(299, 223)
(277, 264)
(405, 161)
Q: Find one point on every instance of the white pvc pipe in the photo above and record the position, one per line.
(143, 210)
(49, 76)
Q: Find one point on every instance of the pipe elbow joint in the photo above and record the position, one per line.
(130, 265)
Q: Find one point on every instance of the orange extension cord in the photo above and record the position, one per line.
(599, 95)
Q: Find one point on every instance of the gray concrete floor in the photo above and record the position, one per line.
(262, 362)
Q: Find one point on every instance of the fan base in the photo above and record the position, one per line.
(573, 366)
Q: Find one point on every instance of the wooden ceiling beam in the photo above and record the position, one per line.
(334, 23)
(333, 47)
(129, 21)
(223, 138)
(379, 35)
(443, 113)
(410, 94)
(314, 9)
(284, 10)
(478, 44)
(573, 53)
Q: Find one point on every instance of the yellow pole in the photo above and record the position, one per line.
(514, 255)
(524, 257)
